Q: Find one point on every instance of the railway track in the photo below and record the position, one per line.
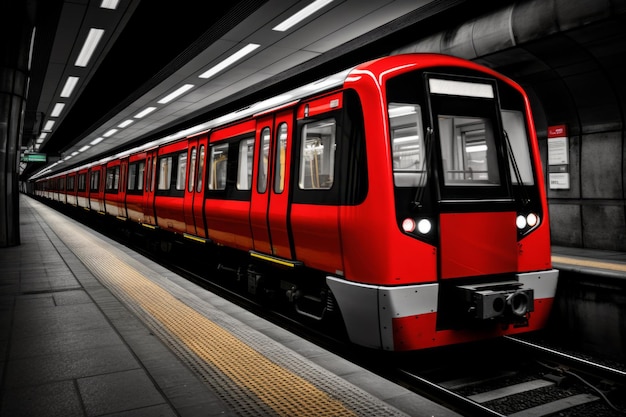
(521, 378)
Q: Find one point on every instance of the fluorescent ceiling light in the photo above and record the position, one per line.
(230, 60)
(69, 86)
(49, 125)
(93, 38)
(110, 133)
(97, 140)
(171, 96)
(125, 123)
(58, 108)
(109, 4)
(84, 148)
(301, 15)
(74, 153)
(145, 112)
(42, 136)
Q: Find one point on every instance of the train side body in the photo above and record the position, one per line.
(412, 195)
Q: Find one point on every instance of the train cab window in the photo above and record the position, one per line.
(112, 179)
(94, 184)
(218, 167)
(263, 160)
(515, 128)
(317, 155)
(82, 183)
(200, 173)
(192, 170)
(165, 173)
(407, 144)
(244, 167)
(281, 147)
(181, 171)
(468, 151)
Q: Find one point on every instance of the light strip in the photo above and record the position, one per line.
(301, 15)
(126, 123)
(58, 108)
(230, 60)
(93, 38)
(48, 126)
(69, 86)
(110, 133)
(84, 148)
(171, 96)
(97, 140)
(109, 4)
(145, 112)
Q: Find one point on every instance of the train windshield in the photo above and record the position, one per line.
(407, 144)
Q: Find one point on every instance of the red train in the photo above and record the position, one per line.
(405, 194)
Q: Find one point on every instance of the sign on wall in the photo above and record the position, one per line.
(558, 158)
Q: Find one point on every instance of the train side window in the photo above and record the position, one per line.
(317, 155)
(165, 173)
(140, 173)
(244, 168)
(181, 171)
(200, 169)
(112, 180)
(95, 182)
(70, 183)
(135, 177)
(217, 167)
(281, 146)
(263, 160)
(132, 177)
(82, 185)
(192, 170)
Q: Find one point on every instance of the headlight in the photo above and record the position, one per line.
(424, 226)
(408, 225)
(526, 222)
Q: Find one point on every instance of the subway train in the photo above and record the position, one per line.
(403, 197)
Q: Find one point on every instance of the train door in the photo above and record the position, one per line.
(194, 192)
(269, 210)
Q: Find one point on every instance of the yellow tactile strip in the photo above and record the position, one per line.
(613, 266)
(251, 382)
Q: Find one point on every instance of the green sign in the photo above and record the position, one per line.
(34, 157)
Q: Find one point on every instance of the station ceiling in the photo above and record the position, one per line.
(145, 51)
(567, 54)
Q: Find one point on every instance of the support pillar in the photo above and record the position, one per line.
(16, 27)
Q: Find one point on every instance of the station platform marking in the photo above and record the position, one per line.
(589, 263)
(256, 377)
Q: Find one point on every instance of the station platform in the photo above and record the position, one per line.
(91, 328)
(606, 263)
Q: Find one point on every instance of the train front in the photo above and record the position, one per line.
(466, 250)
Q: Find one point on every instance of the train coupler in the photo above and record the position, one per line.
(498, 300)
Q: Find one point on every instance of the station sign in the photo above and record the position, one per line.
(34, 157)
(558, 158)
